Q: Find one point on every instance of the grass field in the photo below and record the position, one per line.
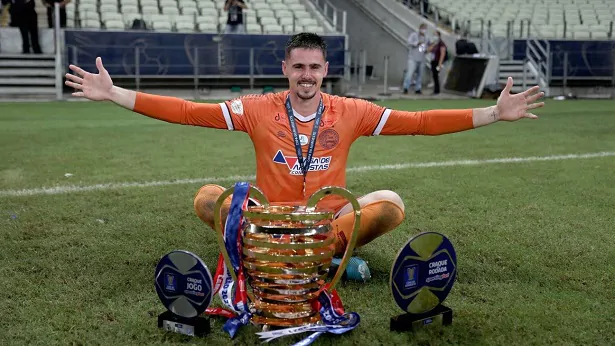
(534, 238)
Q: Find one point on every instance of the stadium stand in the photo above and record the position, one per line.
(208, 16)
(556, 19)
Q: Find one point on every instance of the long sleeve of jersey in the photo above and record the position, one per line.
(226, 115)
(375, 120)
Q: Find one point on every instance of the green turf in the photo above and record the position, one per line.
(534, 240)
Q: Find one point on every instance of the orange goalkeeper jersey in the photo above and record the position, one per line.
(264, 119)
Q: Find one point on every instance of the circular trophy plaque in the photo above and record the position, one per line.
(183, 283)
(423, 273)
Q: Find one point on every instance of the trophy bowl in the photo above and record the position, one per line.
(286, 254)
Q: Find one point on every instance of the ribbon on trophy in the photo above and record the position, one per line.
(237, 303)
(333, 321)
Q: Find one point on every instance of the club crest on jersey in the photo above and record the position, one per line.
(317, 164)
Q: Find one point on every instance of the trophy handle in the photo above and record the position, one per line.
(335, 190)
(219, 228)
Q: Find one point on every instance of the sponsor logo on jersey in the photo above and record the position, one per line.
(317, 164)
(303, 139)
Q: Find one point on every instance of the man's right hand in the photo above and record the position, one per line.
(96, 87)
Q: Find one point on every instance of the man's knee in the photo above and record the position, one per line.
(389, 196)
(205, 201)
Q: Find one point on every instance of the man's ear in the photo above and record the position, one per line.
(326, 69)
(284, 67)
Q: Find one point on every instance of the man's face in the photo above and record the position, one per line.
(305, 70)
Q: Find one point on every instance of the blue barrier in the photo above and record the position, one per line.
(187, 54)
(586, 59)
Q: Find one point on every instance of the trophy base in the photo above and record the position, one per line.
(410, 322)
(196, 326)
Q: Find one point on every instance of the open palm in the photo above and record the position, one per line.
(96, 87)
(513, 107)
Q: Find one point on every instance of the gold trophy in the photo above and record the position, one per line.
(286, 253)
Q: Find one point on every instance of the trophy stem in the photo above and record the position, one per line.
(311, 204)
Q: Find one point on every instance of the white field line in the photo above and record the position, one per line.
(122, 185)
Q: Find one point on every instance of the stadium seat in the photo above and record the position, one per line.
(161, 25)
(168, 3)
(114, 24)
(557, 14)
(272, 29)
(150, 10)
(207, 26)
(87, 7)
(262, 16)
(210, 12)
(130, 9)
(190, 11)
(170, 10)
(89, 15)
(91, 23)
(185, 26)
(108, 7)
(105, 16)
(265, 13)
(268, 20)
(254, 29)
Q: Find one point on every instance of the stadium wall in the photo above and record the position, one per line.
(587, 59)
(160, 55)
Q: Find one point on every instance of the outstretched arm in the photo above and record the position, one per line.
(99, 87)
(509, 107)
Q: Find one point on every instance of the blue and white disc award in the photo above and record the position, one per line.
(423, 273)
(183, 284)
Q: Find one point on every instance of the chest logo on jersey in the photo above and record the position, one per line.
(317, 164)
(329, 138)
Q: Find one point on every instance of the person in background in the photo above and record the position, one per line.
(438, 49)
(50, 11)
(23, 15)
(416, 58)
(234, 23)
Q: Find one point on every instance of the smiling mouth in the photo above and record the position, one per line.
(306, 84)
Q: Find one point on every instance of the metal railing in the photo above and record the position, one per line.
(335, 16)
(538, 55)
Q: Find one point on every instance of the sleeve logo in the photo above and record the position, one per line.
(237, 106)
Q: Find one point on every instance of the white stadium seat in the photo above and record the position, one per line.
(208, 27)
(91, 23)
(168, 3)
(130, 9)
(128, 18)
(105, 16)
(581, 18)
(108, 7)
(114, 24)
(170, 10)
(211, 12)
(150, 10)
(261, 16)
(190, 11)
(268, 20)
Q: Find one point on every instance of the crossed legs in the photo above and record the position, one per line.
(381, 212)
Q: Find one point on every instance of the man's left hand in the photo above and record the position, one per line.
(513, 107)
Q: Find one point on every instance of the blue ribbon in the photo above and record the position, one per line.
(232, 243)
